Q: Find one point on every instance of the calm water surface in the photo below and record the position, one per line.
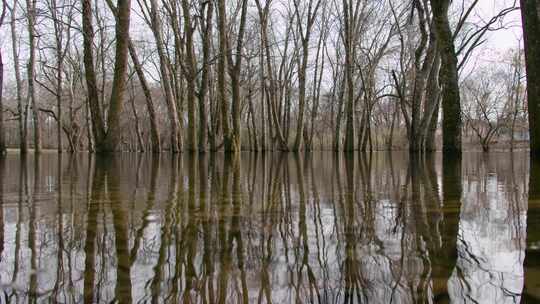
(270, 229)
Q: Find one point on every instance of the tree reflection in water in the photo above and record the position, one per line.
(267, 228)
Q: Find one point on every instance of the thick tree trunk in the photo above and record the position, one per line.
(222, 68)
(430, 143)
(235, 83)
(107, 138)
(119, 79)
(94, 109)
(530, 14)
(349, 18)
(451, 104)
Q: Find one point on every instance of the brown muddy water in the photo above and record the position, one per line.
(272, 228)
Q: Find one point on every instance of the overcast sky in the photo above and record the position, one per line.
(497, 44)
(502, 40)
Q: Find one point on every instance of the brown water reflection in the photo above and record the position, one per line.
(274, 228)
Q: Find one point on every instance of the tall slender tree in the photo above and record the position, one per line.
(305, 32)
(351, 14)
(31, 14)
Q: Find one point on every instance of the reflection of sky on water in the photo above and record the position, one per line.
(491, 245)
(321, 236)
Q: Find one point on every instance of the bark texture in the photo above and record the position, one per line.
(451, 104)
(530, 14)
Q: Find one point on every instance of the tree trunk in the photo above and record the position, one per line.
(317, 81)
(97, 124)
(154, 132)
(107, 138)
(190, 72)
(2, 130)
(235, 83)
(337, 130)
(119, 79)
(23, 144)
(89, 133)
(302, 68)
(530, 14)
(270, 88)
(59, 39)
(451, 104)
(172, 108)
(31, 18)
(349, 17)
(255, 145)
(207, 41)
(222, 67)
(138, 132)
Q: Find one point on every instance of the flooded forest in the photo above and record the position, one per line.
(273, 228)
(270, 151)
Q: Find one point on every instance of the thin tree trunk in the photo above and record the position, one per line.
(23, 143)
(190, 72)
(138, 132)
(60, 54)
(302, 68)
(270, 90)
(31, 18)
(203, 90)
(255, 145)
(337, 130)
(154, 132)
(89, 133)
(317, 81)
(165, 78)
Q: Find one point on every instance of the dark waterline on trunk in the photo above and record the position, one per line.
(262, 228)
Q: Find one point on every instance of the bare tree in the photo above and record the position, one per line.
(305, 16)
(351, 15)
(483, 113)
(31, 15)
(107, 137)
